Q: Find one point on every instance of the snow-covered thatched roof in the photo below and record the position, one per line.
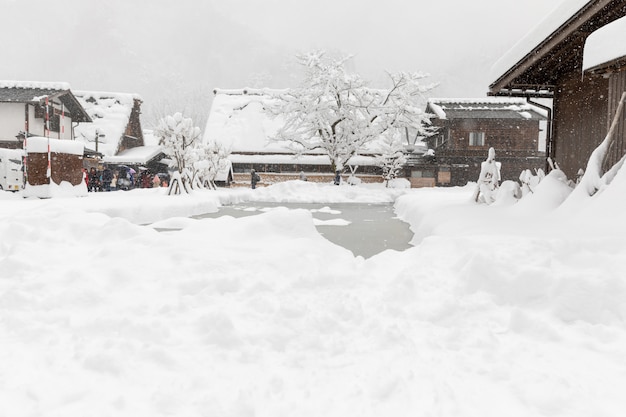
(605, 45)
(140, 155)
(110, 113)
(484, 108)
(238, 120)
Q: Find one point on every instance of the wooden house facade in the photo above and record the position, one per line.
(548, 63)
(37, 109)
(467, 128)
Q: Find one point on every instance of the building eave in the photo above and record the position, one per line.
(535, 74)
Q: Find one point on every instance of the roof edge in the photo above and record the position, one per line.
(557, 36)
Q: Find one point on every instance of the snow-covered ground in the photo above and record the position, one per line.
(502, 310)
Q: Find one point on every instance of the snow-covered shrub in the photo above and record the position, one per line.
(508, 193)
(399, 183)
(353, 180)
(549, 193)
(529, 181)
(179, 137)
(391, 158)
(212, 159)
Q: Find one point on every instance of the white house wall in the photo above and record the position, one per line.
(66, 131)
(36, 125)
(11, 120)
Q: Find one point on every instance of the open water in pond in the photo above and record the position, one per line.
(364, 229)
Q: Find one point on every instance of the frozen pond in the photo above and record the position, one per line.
(364, 229)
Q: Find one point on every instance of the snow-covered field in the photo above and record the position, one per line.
(502, 310)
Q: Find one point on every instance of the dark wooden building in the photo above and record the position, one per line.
(467, 128)
(584, 102)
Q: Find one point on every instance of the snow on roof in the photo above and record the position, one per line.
(605, 44)
(238, 121)
(38, 144)
(43, 85)
(559, 16)
(139, 155)
(110, 113)
(321, 159)
(441, 106)
(249, 91)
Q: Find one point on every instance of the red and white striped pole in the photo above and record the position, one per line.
(49, 169)
(25, 146)
(47, 125)
(62, 127)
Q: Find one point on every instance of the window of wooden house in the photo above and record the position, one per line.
(477, 138)
(422, 174)
(40, 111)
(55, 120)
(55, 123)
(444, 175)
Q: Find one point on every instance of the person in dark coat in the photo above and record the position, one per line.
(337, 179)
(107, 177)
(94, 180)
(146, 179)
(254, 178)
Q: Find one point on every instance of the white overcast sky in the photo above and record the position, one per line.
(182, 49)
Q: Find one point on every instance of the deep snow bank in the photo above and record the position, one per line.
(496, 312)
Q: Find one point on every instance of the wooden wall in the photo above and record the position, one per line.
(267, 178)
(580, 120)
(507, 136)
(617, 86)
(64, 167)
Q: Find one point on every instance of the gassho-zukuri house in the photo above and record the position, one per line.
(238, 122)
(115, 136)
(577, 58)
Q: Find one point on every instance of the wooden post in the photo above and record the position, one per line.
(614, 124)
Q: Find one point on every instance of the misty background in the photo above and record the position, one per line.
(174, 53)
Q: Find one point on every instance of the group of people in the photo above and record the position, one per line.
(122, 178)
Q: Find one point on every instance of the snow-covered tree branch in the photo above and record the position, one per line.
(336, 112)
(179, 138)
(212, 159)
